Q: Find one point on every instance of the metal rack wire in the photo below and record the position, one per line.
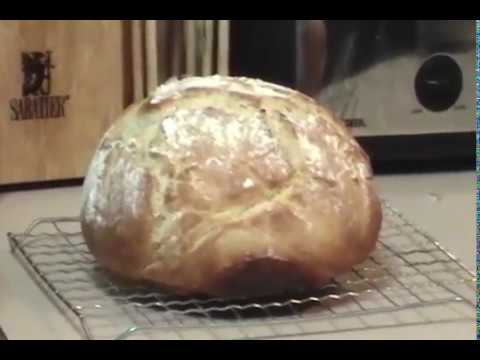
(409, 279)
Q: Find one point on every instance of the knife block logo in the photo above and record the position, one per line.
(36, 101)
(36, 73)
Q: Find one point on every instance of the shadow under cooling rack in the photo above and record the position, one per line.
(409, 279)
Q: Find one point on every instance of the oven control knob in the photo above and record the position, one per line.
(438, 83)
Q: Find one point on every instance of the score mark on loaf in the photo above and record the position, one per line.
(229, 187)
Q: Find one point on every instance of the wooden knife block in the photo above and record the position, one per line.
(63, 83)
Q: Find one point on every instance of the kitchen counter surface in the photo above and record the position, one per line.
(442, 204)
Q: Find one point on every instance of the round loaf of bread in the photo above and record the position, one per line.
(229, 186)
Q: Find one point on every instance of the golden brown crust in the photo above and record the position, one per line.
(212, 180)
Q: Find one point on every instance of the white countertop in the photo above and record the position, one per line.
(442, 204)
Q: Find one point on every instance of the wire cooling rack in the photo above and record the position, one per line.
(409, 279)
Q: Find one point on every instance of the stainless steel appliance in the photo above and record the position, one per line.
(405, 87)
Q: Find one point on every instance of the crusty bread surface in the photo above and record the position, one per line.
(229, 187)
